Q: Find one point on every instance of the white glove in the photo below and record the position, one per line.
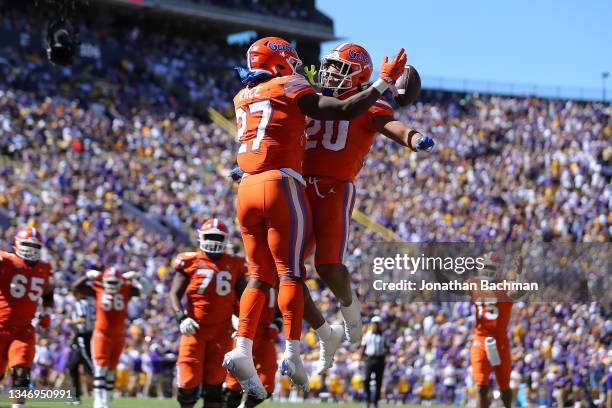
(92, 274)
(188, 326)
(129, 275)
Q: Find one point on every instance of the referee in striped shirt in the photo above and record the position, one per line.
(82, 321)
(375, 348)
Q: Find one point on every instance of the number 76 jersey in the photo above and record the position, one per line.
(211, 290)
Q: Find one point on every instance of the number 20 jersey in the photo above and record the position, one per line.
(271, 125)
(337, 149)
(210, 292)
(21, 287)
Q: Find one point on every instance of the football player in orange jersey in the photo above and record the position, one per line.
(335, 153)
(113, 292)
(264, 356)
(24, 281)
(272, 209)
(211, 279)
(490, 349)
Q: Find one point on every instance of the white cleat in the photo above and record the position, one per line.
(293, 368)
(353, 328)
(242, 367)
(328, 348)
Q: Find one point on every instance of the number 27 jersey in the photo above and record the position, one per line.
(211, 290)
(271, 124)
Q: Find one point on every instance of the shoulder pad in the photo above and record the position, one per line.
(182, 259)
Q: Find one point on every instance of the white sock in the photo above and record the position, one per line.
(324, 332)
(244, 345)
(18, 406)
(292, 348)
(352, 313)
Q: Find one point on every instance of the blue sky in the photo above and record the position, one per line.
(544, 42)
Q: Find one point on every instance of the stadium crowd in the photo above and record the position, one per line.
(78, 146)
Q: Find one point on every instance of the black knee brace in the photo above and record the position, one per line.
(21, 377)
(187, 396)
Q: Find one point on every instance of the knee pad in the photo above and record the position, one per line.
(213, 393)
(21, 377)
(100, 373)
(187, 396)
(232, 398)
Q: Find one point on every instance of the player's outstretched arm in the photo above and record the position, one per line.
(517, 294)
(81, 286)
(402, 134)
(177, 290)
(327, 108)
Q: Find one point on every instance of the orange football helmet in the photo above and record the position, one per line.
(212, 236)
(348, 66)
(111, 279)
(274, 56)
(28, 244)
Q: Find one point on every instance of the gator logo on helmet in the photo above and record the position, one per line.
(274, 46)
(359, 56)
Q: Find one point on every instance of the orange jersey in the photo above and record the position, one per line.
(211, 291)
(271, 125)
(337, 149)
(21, 287)
(493, 310)
(111, 308)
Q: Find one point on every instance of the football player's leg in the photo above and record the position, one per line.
(116, 348)
(233, 392)
(262, 277)
(214, 374)
(502, 372)
(288, 215)
(190, 369)
(481, 373)
(265, 361)
(101, 347)
(6, 338)
(20, 358)
(331, 222)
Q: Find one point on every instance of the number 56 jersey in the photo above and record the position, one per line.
(21, 287)
(211, 290)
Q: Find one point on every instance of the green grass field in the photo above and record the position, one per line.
(171, 403)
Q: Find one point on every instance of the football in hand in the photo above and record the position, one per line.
(408, 86)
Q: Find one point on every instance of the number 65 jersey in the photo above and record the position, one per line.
(21, 287)
(210, 292)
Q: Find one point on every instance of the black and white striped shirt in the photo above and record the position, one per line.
(84, 309)
(376, 344)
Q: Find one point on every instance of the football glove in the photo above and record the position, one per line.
(92, 274)
(391, 71)
(425, 143)
(310, 75)
(236, 174)
(44, 318)
(129, 275)
(188, 326)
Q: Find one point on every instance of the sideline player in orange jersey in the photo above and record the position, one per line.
(113, 292)
(264, 356)
(24, 281)
(211, 279)
(335, 153)
(490, 349)
(272, 209)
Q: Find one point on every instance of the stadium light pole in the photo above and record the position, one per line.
(604, 76)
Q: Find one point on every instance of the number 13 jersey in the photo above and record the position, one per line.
(337, 149)
(21, 287)
(271, 125)
(211, 290)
